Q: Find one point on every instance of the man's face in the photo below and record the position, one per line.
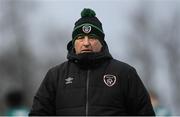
(87, 43)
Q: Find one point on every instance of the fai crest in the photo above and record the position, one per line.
(109, 80)
(86, 29)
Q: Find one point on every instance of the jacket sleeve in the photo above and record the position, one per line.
(44, 100)
(138, 102)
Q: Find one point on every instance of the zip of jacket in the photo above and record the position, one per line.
(87, 91)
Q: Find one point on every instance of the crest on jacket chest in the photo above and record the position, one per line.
(109, 79)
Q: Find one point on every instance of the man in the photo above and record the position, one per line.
(91, 82)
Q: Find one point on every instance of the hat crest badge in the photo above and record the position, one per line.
(86, 29)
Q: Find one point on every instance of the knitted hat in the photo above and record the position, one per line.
(88, 24)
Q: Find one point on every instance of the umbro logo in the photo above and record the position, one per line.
(69, 80)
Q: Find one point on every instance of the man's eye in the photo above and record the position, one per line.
(80, 37)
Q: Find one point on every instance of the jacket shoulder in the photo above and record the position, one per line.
(59, 67)
(121, 65)
(54, 72)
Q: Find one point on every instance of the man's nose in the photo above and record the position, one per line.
(86, 41)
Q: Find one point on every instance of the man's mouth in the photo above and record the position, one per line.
(86, 50)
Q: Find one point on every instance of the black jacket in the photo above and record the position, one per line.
(93, 84)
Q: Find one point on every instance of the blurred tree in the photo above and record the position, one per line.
(16, 61)
(56, 39)
(168, 38)
(19, 66)
(148, 36)
(140, 48)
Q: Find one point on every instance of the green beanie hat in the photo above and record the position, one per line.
(88, 24)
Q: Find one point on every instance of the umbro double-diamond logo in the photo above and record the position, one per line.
(68, 80)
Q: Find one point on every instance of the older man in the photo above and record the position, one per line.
(91, 82)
